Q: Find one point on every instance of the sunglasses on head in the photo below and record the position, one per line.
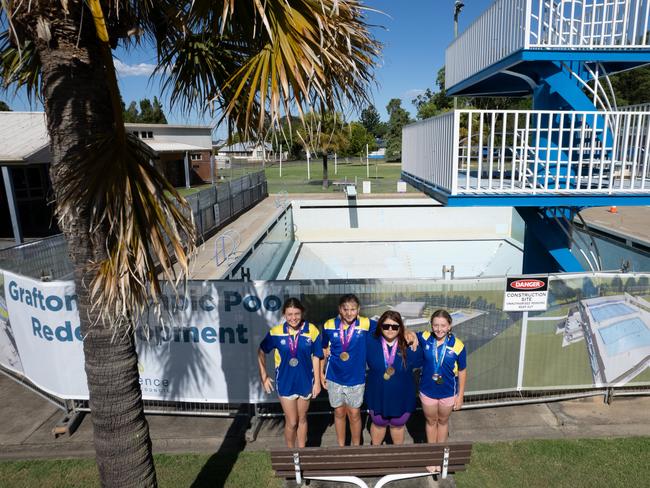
(387, 326)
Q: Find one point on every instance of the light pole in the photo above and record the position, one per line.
(458, 7)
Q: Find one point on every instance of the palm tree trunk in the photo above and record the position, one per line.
(325, 180)
(77, 105)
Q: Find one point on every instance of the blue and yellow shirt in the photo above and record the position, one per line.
(353, 371)
(299, 379)
(455, 360)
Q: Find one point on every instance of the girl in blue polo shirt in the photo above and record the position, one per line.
(444, 372)
(298, 349)
(390, 387)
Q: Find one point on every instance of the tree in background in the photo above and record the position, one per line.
(631, 87)
(397, 118)
(149, 113)
(432, 103)
(125, 226)
(358, 138)
(323, 133)
(4, 107)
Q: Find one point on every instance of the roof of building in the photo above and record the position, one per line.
(171, 146)
(22, 134)
(245, 147)
(132, 125)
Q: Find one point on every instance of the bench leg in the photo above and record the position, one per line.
(396, 477)
(341, 479)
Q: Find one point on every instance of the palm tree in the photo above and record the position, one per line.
(254, 60)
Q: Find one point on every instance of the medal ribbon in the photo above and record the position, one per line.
(388, 359)
(437, 362)
(346, 339)
(293, 340)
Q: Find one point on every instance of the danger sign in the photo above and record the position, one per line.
(525, 294)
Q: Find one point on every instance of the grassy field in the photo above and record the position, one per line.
(549, 364)
(383, 176)
(557, 463)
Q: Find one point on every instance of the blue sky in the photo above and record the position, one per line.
(415, 34)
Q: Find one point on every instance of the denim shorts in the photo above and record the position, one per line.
(339, 395)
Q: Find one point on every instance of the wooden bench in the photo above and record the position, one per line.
(390, 462)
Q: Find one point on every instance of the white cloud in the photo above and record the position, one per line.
(141, 69)
(412, 93)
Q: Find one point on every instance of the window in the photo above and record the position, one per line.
(195, 156)
(146, 135)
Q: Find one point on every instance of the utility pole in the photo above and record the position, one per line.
(458, 7)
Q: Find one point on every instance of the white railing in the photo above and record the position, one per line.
(531, 152)
(428, 149)
(508, 26)
(497, 33)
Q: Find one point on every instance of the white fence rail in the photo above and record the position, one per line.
(508, 26)
(429, 148)
(531, 152)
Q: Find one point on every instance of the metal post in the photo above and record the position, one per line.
(187, 169)
(336, 171)
(308, 169)
(367, 164)
(212, 169)
(522, 350)
(280, 160)
(458, 7)
(13, 208)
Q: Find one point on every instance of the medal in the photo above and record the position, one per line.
(437, 361)
(389, 359)
(346, 339)
(293, 346)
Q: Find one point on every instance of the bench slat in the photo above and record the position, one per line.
(396, 458)
(375, 450)
(358, 464)
(366, 472)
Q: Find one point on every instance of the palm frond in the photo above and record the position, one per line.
(19, 66)
(148, 224)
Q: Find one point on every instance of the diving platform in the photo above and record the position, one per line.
(516, 43)
(533, 158)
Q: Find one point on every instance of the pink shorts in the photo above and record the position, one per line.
(433, 402)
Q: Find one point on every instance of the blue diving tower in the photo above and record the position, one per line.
(576, 148)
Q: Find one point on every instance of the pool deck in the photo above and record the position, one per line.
(630, 223)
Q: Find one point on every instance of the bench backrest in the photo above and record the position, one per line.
(369, 460)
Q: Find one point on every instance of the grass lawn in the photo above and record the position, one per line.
(547, 363)
(383, 176)
(494, 365)
(557, 463)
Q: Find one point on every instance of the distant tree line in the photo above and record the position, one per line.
(149, 112)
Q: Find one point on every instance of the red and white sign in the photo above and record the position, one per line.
(525, 294)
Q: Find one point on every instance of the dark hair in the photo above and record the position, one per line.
(293, 303)
(401, 338)
(349, 297)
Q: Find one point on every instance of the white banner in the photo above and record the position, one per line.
(44, 322)
(204, 349)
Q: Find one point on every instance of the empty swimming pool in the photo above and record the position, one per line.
(625, 335)
(388, 239)
(608, 311)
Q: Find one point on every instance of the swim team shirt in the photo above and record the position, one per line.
(455, 360)
(292, 380)
(396, 396)
(353, 371)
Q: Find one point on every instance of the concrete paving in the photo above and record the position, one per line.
(28, 421)
(627, 222)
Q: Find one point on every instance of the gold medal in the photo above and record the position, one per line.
(344, 356)
(390, 371)
(386, 376)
